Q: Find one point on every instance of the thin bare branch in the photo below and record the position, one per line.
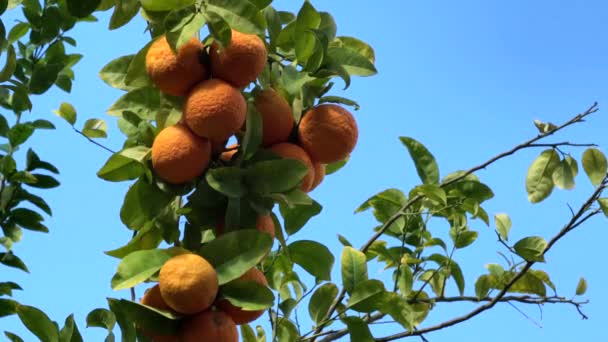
(93, 141)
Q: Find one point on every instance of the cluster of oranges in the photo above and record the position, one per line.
(211, 79)
(188, 286)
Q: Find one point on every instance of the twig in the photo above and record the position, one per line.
(565, 143)
(93, 141)
(525, 299)
(527, 144)
(526, 316)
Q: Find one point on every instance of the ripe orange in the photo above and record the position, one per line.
(188, 283)
(178, 155)
(212, 326)
(265, 224)
(292, 151)
(153, 298)
(215, 110)
(319, 174)
(175, 74)
(231, 151)
(277, 117)
(241, 62)
(328, 133)
(238, 315)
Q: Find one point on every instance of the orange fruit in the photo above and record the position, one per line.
(328, 133)
(178, 155)
(319, 174)
(277, 117)
(264, 224)
(212, 326)
(241, 62)
(292, 151)
(231, 151)
(175, 74)
(215, 110)
(153, 298)
(238, 315)
(188, 283)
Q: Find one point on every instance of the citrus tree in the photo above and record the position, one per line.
(230, 122)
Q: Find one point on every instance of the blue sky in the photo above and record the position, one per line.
(466, 78)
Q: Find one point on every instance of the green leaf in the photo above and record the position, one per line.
(432, 192)
(234, 253)
(425, 163)
(82, 9)
(8, 307)
(241, 15)
(356, 45)
(503, 225)
(11, 260)
(144, 102)
(463, 239)
(13, 337)
(67, 112)
(275, 176)
(531, 248)
(43, 182)
(529, 283)
(595, 165)
(11, 64)
(563, 177)
(127, 164)
(340, 100)
(483, 285)
(312, 256)
(539, 181)
(43, 76)
(164, 5)
(142, 203)
(101, 318)
(69, 332)
(307, 20)
(127, 326)
(334, 167)
(137, 267)
(297, 216)
(406, 280)
(603, 202)
(219, 28)
(124, 11)
(321, 300)
(581, 288)
(573, 165)
(95, 128)
(227, 180)
(353, 63)
(38, 323)
(354, 268)
(247, 333)
(114, 73)
(148, 318)
(253, 132)
(18, 31)
(28, 219)
(358, 329)
(148, 237)
(247, 295)
(20, 133)
(6, 288)
(286, 331)
(398, 308)
(367, 296)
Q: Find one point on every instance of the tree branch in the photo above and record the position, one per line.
(93, 141)
(527, 144)
(577, 219)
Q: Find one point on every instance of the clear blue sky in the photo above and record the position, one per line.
(467, 78)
